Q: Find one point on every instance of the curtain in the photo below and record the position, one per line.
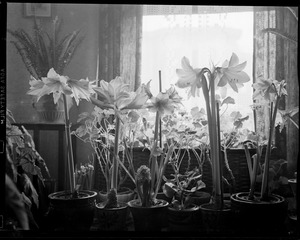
(276, 57)
(120, 43)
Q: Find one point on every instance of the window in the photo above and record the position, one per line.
(202, 38)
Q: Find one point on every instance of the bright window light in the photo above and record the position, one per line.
(204, 39)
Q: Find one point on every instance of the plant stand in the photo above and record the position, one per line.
(259, 218)
(148, 218)
(113, 219)
(71, 214)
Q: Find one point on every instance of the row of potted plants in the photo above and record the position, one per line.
(113, 130)
(116, 96)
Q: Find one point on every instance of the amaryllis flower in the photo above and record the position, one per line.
(57, 84)
(188, 77)
(231, 73)
(165, 102)
(81, 89)
(268, 88)
(117, 95)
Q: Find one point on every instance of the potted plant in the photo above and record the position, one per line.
(214, 213)
(270, 208)
(116, 96)
(42, 52)
(98, 129)
(27, 169)
(149, 213)
(183, 214)
(72, 209)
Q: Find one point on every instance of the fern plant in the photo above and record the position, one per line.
(44, 50)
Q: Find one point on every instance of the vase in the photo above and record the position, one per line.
(71, 214)
(188, 219)
(49, 112)
(111, 219)
(257, 217)
(148, 218)
(217, 221)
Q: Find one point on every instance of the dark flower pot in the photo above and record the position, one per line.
(124, 195)
(256, 217)
(217, 221)
(188, 219)
(71, 214)
(111, 219)
(148, 218)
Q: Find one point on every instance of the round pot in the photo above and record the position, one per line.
(188, 219)
(148, 218)
(259, 217)
(293, 202)
(111, 219)
(124, 195)
(49, 112)
(71, 214)
(216, 221)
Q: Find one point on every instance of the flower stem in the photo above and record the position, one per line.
(114, 182)
(264, 187)
(69, 145)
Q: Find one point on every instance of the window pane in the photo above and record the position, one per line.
(205, 39)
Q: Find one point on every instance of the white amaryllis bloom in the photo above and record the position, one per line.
(231, 73)
(57, 84)
(188, 77)
(165, 102)
(116, 95)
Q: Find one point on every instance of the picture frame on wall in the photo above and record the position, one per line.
(37, 9)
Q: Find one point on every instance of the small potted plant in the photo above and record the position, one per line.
(149, 213)
(230, 73)
(42, 52)
(183, 214)
(72, 209)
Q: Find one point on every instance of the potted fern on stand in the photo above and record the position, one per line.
(73, 209)
(42, 52)
(216, 215)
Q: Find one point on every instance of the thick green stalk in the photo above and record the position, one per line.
(264, 187)
(114, 182)
(212, 127)
(153, 158)
(69, 145)
(219, 195)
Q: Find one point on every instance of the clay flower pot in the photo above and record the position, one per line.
(148, 218)
(256, 217)
(71, 214)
